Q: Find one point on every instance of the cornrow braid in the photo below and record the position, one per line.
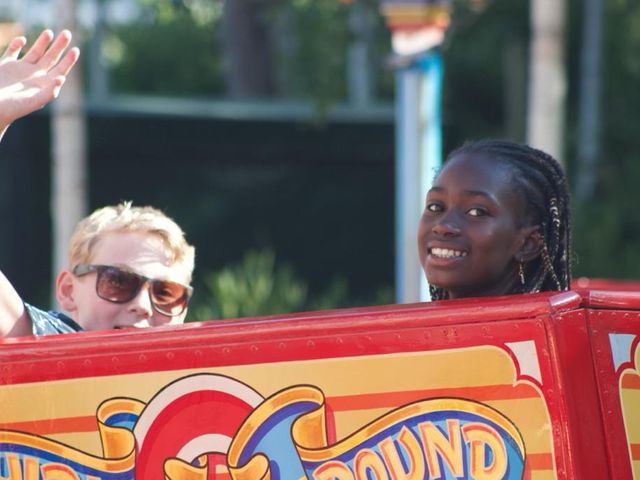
(539, 180)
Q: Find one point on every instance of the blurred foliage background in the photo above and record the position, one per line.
(331, 55)
(298, 49)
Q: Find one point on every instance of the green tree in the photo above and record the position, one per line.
(259, 286)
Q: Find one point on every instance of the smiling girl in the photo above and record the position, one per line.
(496, 222)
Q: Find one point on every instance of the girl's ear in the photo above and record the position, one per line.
(65, 291)
(531, 245)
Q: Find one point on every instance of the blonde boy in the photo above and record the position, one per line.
(128, 267)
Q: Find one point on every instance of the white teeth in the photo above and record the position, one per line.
(447, 253)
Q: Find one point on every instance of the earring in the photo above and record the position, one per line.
(521, 273)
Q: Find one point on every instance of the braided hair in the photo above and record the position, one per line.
(539, 180)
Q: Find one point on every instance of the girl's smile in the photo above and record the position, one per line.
(445, 256)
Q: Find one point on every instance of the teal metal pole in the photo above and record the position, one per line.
(418, 158)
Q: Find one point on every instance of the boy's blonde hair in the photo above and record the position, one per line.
(126, 218)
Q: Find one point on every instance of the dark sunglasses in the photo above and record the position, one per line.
(121, 286)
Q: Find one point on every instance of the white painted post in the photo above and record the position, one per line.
(69, 163)
(418, 158)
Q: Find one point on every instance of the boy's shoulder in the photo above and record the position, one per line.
(51, 322)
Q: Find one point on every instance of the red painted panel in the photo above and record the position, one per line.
(619, 330)
(572, 359)
(611, 299)
(548, 366)
(584, 283)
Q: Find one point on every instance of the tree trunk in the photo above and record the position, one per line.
(98, 74)
(547, 77)
(359, 74)
(514, 62)
(68, 171)
(247, 50)
(588, 145)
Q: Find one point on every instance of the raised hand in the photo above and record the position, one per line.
(30, 82)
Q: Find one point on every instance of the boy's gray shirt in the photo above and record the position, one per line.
(51, 322)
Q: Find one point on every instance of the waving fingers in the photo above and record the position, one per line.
(32, 81)
(65, 65)
(52, 56)
(14, 48)
(37, 50)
